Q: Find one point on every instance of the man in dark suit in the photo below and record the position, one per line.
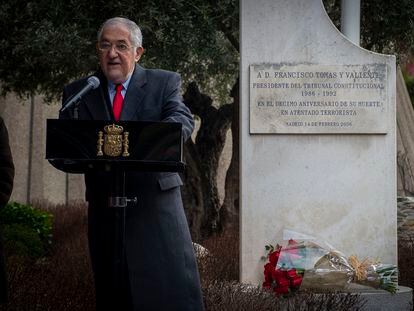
(160, 271)
(6, 186)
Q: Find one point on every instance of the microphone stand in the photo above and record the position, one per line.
(76, 110)
(119, 202)
(76, 105)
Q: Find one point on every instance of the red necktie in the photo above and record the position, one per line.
(118, 101)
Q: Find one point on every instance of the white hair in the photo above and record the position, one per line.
(134, 30)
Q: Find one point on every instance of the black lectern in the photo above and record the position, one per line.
(79, 146)
(76, 146)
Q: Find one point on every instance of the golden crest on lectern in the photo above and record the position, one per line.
(114, 142)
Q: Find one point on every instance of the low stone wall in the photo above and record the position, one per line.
(405, 217)
(35, 178)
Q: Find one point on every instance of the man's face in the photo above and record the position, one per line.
(117, 56)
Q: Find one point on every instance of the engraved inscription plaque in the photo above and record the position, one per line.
(314, 98)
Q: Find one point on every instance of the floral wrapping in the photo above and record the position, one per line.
(311, 265)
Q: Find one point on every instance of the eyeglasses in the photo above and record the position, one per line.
(119, 47)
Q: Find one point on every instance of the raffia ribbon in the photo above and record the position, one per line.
(360, 267)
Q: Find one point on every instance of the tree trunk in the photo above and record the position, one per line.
(192, 193)
(229, 212)
(201, 193)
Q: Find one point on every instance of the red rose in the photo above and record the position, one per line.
(282, 290)
(278, 274)
(291, 273)
(283, 282)
(274, 257)
(267, 285)
(296, 281)
(268, 271)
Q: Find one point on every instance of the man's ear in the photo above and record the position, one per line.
(138, 53)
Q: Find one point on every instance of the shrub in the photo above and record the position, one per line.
(230, 296)
(222, 261)
(405, 262)
(37, 220)
(22, 241)
(63, 279)
(219, 273)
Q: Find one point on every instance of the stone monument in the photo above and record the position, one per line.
(318, 135)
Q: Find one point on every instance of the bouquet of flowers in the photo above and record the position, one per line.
(312, 265)
(281, 279)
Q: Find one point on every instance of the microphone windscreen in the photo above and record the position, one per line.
(93, 81)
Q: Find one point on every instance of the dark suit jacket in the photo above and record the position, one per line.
(6, 186)
(161, 267)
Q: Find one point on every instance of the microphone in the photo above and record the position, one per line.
(92, 83)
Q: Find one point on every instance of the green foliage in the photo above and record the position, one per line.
(40, 222)
(20, 240)
(386, 26)
(38, 52)
(45, 44)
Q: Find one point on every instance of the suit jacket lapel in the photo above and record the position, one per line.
(135, 93)
(98, 102)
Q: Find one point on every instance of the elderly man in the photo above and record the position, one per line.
(6, 186)
(160, 271)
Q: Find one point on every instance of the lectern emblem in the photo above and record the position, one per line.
(113, 142)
